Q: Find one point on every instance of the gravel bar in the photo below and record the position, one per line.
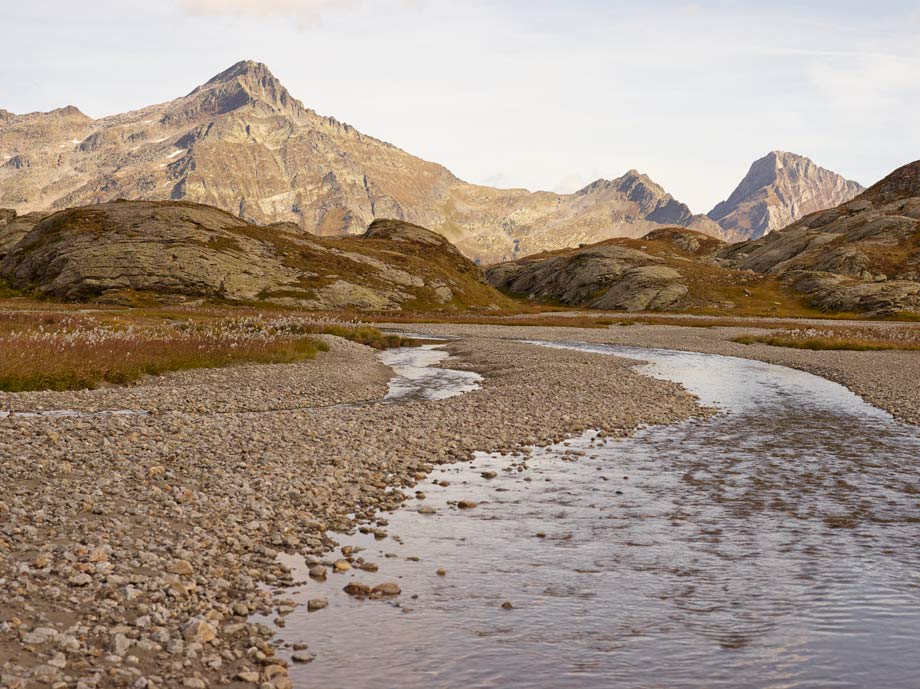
(134, 549)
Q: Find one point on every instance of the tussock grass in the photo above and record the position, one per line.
(848, 339)
(69, 351)
(367, 335)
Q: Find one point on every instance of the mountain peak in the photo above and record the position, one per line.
(244, 70)
(777, 190)
(244, 83)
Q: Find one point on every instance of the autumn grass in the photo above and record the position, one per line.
(367, 335)
(845, 339)
(71, 351)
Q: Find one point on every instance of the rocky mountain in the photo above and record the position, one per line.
(132, 251)
(862, 256)
(242, 143)
(669, 269)
(779, 189)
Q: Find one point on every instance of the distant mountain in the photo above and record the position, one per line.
(863, 255)
(779, 189)
(243, 143)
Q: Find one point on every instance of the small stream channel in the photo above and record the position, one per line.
(774, 545)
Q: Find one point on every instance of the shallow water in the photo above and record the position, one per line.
(419, 376)
(774, 545)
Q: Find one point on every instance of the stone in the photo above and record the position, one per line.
(180, 568)
(357, 589)
(317, 604)
(80, 580)
(40, 635)
(197, 630)
(121, 644)
(386, 589)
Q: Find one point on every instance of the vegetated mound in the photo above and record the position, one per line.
(667, 269)
(862, 256)
(177, 251)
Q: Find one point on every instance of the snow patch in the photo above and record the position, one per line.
(74, 141)
(176, 153)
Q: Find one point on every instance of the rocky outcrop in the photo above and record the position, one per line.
(179, 251)
(241, 142)
(862, 256)
(779, 189)
(655, 273)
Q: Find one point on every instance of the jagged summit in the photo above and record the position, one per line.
(649, 201)
(243, 69)
(779, 189)
(244, 83)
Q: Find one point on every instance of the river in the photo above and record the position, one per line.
(774, 544)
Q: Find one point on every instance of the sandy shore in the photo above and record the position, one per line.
(135, 548)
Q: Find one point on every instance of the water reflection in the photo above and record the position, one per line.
(773, 545)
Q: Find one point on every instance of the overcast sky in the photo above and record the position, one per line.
(536, 94)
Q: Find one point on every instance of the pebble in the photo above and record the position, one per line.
(317, 604)
(182, 514)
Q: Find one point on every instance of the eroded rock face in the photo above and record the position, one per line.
(779, 189)
(863, 255)
(613, 275)
(241, 142)
(180, 250)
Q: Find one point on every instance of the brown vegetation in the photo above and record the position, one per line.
(843, 338)
(48, 350)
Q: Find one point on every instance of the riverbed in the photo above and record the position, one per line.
(772, 545)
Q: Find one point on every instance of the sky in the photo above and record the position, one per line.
(513, 93)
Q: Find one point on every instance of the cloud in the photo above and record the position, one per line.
(308, 12)
(305, 12)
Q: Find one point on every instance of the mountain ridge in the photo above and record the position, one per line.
(241, 142)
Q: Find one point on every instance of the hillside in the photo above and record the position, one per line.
(779, 189)
(863, 255)
(131, 251)
(671, 269)
(241, 142)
